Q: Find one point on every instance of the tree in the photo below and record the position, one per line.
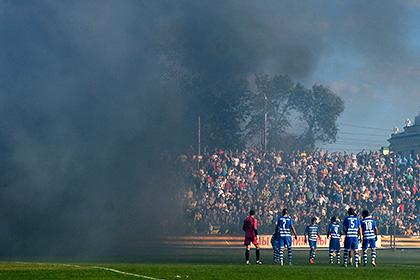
(320, 108)
(287, 103)
(217, 100)
(270, 97)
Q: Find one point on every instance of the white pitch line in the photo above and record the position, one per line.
(126, 273)
(71, 265)
(96, 267)
(55, 264)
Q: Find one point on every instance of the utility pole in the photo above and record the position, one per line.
(265, 123)
(265, 132)
(199, 140)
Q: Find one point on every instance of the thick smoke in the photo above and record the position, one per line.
(91, 105)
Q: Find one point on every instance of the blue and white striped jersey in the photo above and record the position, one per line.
(312, 231)
(334, 230)
(284, 223)
(368, 228)
(351, 225)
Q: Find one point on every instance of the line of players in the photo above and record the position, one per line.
(354, 230)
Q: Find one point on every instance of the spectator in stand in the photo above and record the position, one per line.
(318, 183)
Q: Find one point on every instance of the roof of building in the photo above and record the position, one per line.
(409, 131)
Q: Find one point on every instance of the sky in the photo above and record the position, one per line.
(368, 53)
(379, 92)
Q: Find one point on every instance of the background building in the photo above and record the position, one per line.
(407, 141)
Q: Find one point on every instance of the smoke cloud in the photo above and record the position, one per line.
(90, 92)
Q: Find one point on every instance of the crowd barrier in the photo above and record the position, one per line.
(401, 242)
(220, 241)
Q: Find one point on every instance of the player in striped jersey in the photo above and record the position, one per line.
(276, 248)
(334, 233)
(312, 231)
(351, 227)
(370, 235)
(283, 228)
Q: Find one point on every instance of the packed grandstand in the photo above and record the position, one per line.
(224, 185)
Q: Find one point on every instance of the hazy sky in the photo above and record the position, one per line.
(375, 70)
(368, 52)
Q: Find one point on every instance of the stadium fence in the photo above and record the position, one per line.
(219, 241)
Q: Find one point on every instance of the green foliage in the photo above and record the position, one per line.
(209, 76)
(218, 103)
(233, 109)
(297, 117)
(271, 96)
(320, 108)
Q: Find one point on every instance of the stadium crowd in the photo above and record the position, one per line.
(224, 185)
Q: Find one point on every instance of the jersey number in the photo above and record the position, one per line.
(369, 225)
(284, 223)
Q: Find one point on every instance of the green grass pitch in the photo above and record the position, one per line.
(217, 264)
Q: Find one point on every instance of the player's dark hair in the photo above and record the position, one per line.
(313, 220)
(333, 219)
(252, 212)
(365, 213)
(285, 211)
(351, 211)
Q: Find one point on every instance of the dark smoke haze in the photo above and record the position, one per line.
(90, 99)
